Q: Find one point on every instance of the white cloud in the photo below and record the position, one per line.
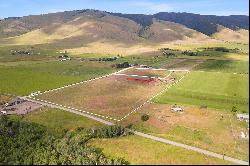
(152, 6)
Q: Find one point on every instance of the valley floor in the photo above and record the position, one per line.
(211, 86)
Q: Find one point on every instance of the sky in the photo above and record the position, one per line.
(14, 8)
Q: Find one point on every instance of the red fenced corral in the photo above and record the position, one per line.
(142, 80)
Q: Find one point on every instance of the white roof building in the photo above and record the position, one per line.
(243, 117)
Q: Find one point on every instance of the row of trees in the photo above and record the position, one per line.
(122, 65)
(110, 132)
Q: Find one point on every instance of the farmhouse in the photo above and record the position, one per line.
(243, 117)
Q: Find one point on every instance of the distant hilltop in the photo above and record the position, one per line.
(81, 27)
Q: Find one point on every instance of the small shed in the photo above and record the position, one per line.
(177, 109)
(243, 117)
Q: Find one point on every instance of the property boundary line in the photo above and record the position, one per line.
(154, 96)
(33, 96)
(220, 72)
(134, 75)
(85, 113)
(180, 70)
(77, 83)
(72, 108)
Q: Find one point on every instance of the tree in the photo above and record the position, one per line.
(145, 117)
(234, 110)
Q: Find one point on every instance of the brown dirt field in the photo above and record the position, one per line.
(113, 96)
(147, 72)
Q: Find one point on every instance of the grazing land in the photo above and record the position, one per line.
(22, 78)
(180, 81)
(222, 85)
(143, 151)
(58, 122)
(228, 66)
(201, 127)
(147, 151)
(214, 90)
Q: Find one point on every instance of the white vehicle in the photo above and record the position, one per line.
(4, 112)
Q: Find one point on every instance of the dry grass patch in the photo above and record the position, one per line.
(138, 150)
(216, 131)
(106, 47)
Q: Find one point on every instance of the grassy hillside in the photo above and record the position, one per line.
(163, 31)
(226, 34)
(90, 31)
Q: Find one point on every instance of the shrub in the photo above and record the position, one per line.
(129, 126)
(222, 49)
(234, 109)
(145, 117)
(123, 65)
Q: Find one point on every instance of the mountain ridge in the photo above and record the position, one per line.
(206, 24)
(81, 28)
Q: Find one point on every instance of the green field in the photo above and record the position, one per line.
(224, 66)
(58, 122)
(22, 78)
(218, 87)
(215, 90)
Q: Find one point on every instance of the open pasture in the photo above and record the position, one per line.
(228, 66)
(144, 151)
(58, 121)
(211, 89)
(183, 64)
(24, 77)
(114, 96)
(201, 127)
